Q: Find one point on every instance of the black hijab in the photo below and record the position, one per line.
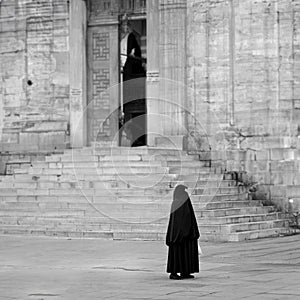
(182, 223)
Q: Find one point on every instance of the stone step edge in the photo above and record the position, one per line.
(255, 234)
(155, 204)
(92, 191)
(68, 233)
(249, 235)
(232, 237)
(242, 224)
(144, 221)
(240, 216)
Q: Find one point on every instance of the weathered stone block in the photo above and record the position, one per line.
(9, 138)
(279, 191)
(29, 140)
(293, 191)
(47, 126)
(51, 140)
(2, 167)
(276, 154)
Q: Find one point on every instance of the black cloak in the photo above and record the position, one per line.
(182, 235)
(133, 67)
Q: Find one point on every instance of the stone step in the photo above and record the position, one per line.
(238, 219)
(257, 234)
(189, 180)
(97, 223)
(80, 198)
(103, 188)
(144, 236)
(246, 235)
(131, 164)
(204, 175)
(99, 194)
(241, 227)
(101, 164)
(94, 176)
(61, 224)
(119, 209)
(127, 232)
(98, 219)
(84, 205)
(138, 158)
(204, 199)
(274, 232)
(186, 170)
(63, 189)
(129, 215)
(232, 204)
(202, 213)
(185, 163)
(59, 182)
(30, 230)
(257, 225)
(211, 183)
(50, 212)
(152, 208)
(217, 190)
(81, 201)
(139, 194)
(125, 151)
(137, 150)
(86, 169)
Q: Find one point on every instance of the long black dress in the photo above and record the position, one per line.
(182, 235)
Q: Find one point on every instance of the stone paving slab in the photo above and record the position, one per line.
(53, 268)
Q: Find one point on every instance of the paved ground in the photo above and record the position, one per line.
(45, 268)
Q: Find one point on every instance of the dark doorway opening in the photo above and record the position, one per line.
(132, 127)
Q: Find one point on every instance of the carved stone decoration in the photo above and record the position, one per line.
(100, 46)
(172, 4)
(106, 8)
(99, 99)
(102, 70)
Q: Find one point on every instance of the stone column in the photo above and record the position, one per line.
(232, 61)
(1, 111)
(153, 57)
(78, 97)
(173, 21)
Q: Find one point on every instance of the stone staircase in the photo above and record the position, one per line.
(126, 193)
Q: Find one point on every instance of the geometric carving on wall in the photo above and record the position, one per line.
(101, 99)
(100, 81)
(100, 46)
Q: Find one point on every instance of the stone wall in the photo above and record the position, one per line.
(244, 73)
(34, 54)
(244, 60)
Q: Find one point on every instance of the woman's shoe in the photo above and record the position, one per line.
(175, 277)
(186, 276)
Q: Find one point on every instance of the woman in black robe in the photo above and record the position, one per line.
(182, 237)
(131, 54)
